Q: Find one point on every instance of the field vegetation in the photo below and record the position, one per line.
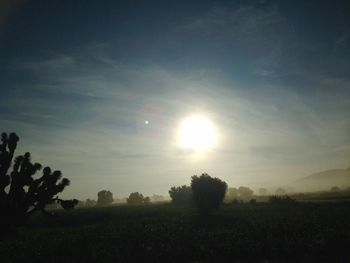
(259, 232)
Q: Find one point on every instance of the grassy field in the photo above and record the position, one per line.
(304, 232)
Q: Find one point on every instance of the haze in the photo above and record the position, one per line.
(99, 91)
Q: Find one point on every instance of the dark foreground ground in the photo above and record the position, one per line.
(305, 232)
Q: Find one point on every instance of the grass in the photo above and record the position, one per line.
(305, 232)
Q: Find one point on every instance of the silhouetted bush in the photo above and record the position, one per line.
(104, 198)
(69, 204)
(245, 193)
(181, 195)
(241, 193)
(90, 203)
(208, 192)
(20, 194)
(80, 204)
(335, 189)
(146, 200)
(137, 199)
(252, 201)
(280, 191)
(283, 200)
(236, 201)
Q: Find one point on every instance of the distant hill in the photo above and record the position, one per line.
(324, 180)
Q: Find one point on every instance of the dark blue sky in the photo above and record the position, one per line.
(78, 79)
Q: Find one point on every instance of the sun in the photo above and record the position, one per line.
(197, 133)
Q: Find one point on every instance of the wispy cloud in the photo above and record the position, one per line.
(243, 20)
(265, 131)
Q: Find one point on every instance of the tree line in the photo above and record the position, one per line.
(21, 195)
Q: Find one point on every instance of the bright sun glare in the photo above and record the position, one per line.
(197, 133)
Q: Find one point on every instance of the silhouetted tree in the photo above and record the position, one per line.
(262, 191)
(252, 201)
(335, 189)
(232, 194)
(90, 203)
(146, 200)
(68, 204)
(137, 199)
(181, 195)
(281, 200)
(20, 194)
(245, 193)
(80, 204)
(208, 192)
(280, 191)
(104, 198)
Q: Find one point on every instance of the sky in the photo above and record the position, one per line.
(80, 78)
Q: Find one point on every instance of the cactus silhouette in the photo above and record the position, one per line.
(21, 194)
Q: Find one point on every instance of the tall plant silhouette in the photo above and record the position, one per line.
(21, 195)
